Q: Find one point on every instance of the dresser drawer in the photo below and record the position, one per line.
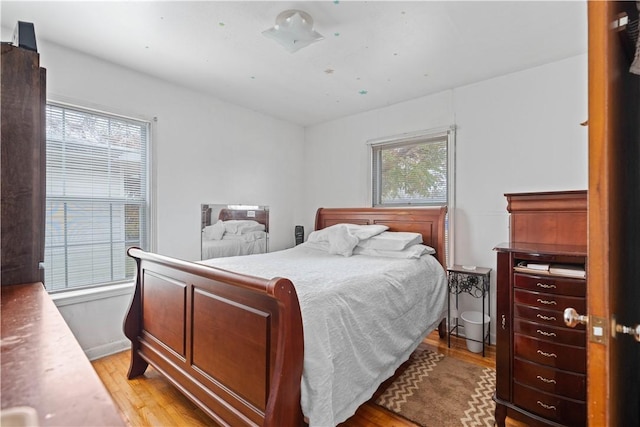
(551, 284)
(550, 380)
(549, 301)
(564, 411)
(559, 335)
(569, 358)
(542, 316)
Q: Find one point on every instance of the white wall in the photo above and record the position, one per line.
(337, 157)
(203, 149)
(203, 152)
(516, 133)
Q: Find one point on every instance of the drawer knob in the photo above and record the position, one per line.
(544, 301)
(546, 380)
(543, 317)
(547, 354)
(572, 318)
(546, 334)
(545, 286)
(545, 406)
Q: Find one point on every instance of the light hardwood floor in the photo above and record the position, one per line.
(151, 401)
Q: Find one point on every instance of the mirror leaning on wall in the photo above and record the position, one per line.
(232, 230)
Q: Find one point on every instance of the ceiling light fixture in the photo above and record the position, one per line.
(293, 30)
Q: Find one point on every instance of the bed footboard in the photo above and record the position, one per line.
(231, 343)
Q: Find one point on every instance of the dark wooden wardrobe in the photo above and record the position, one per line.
(23, 165)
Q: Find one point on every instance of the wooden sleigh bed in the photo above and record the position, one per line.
(181, 312)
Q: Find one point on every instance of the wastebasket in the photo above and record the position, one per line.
(473, 329)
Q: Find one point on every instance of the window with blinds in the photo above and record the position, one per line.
(411, 170)
(97, 202)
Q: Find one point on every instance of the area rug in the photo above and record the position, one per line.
(439, 391)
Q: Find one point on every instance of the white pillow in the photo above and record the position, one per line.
(360, 231)
(341, 241)
(363, 232)
(392, 241)
(214, 232)
(251, 228)
(241, 226)
(415, 251)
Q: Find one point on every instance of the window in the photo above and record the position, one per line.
(97, 202)
(412, 169)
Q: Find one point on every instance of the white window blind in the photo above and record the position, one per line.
(411, 170)
(97, 202)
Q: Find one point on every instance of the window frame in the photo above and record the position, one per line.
(149, 190)
(434, 135)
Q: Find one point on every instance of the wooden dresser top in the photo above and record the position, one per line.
(554, 217)
(44, 367)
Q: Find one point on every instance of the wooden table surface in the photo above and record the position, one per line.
(44, 367)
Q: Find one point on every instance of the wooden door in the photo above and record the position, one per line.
(613, 384)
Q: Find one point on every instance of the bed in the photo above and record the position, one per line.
(236, 232)
(234, 344)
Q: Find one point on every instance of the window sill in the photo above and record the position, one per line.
(93, 294)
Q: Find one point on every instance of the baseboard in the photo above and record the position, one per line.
(107, 349)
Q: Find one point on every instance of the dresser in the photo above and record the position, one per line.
(541, 271)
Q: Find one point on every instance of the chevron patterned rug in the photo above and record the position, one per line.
(439, 391)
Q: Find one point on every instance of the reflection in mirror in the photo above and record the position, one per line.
(231, 230)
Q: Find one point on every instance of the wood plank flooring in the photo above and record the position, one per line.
(152, 401)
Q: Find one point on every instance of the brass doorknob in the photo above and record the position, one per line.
(572, 318)
(621, 329)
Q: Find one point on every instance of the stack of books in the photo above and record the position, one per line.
(535, 266)
(567, 270)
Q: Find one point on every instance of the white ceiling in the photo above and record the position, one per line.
(374, 54)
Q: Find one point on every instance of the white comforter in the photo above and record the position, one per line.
(362, 318)
(232, 245)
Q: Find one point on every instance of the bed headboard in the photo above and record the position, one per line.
(259, 215)
(430, 222)
(205, 215)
